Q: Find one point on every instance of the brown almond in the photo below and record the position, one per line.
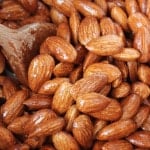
(65, 52)
(103, 68)
(82, 131)
(138, 20)
(92, 83)
(64, 141)
(2, 63)
(63, 31)
(146, 124)
(70, 115)
(148, 8)
(117, 130)
(107, 26)
(102, 4)
(117, 144)
(40, 70)
(105, 90)
(7, 139)
(13, 106)
(143, 5)
(57, 17)
(131, 6)
(106, 45)
(142, 43)
(92, 102)
(121, 91)
(130, 106)
(88, 8)
(50, 86)
(127, 54)
(63, 69)
(119, 15)
(62, 99)
(88, 29)
(38, 101)
(142, 115)
(111, 113)
(140, 139)
(141, 89)
(144, 73)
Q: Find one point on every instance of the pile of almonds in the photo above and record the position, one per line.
(87, 86)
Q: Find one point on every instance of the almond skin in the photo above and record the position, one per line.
(88, 29)
(40, 70)
(64, 141)
(117, 130)
(2, 63)
(106, 45)
(65, 52)
(140, 139)
(82, 131)
(92, 83)
(92, 102)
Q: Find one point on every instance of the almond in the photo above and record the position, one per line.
(92, 102)
(146, 124)
(88, 29)
(82, 131)
(92, 83)
(40, 70)
(106, 45)
(88, 8)
(2, 63)
(65, 52)
(64, 141)
(62, 99)
(111, 71)
(130, 106)
(117, 144)
(49, 87)
(102, 4)
(117, 130)
(13, 106)
(140, 139)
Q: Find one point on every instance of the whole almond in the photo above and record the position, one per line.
(142, 115)
(106, 45)
(121, 91)
(88, 8)
(65, 52)
(64, 141)
(70, 115)
(111, 113)
(130, 106)
(92, 102)
(131, 6)
(74, 22)
(107, 26)
(13, 106)
(138, 20)
(146, 124)
(117, 144)
(105, 69)
(102, 4)
(88, 29)
(127, 54)
(82, 131)
(63, 31)
(50, 86)
(7, 139)
(63, 69)
(142, 43)
(120, 17)
(40, 70)
(105, 90)
(141, 89)
(57, 17)
(92, 83)
(144, 73)
(62, 99)
(117, 130)
(140, 139)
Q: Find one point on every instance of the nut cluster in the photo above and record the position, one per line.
(88, 85)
